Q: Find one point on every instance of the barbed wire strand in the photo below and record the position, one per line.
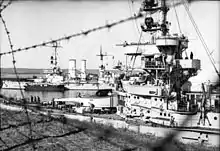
(4, 6)
(67, 38)
(47, 136)
(11, 46)
(56, 40)
(105, 133)
(16, 126)
(1, 2)
(15, 71)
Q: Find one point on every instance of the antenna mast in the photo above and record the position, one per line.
(53, 59)
(164, 9)
(102, 55)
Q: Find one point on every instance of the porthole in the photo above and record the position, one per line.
(161, 100)
(134, 97)
(137, 97)
(160, 114)
(155, 99)
(169, 114)
(215, 118)
(148, 111)
(165, 114)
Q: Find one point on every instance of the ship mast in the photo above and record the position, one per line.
(168, 66)
(101, 55)
(102, 66)
(164, 9)
(53, 58)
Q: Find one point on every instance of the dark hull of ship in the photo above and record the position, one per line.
(93, 92)
(42, 87)
(104, 92)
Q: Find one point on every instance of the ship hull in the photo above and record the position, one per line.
(143, 90)
(165, 117)
(86, 86)
(157, 111)
(13, 85)
(99, 89)
(44, 87)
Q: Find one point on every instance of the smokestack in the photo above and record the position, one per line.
(72, 68)
(83, 69)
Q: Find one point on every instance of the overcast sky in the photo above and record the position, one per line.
(34, 22)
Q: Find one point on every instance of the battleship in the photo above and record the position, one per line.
(53, 81)
(56, 80)
(81, 82)
(153, 93)
(156, 94)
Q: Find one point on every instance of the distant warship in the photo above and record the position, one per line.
(53, 81)
(81, 82)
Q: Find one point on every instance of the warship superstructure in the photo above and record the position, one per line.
(156, 93)
(53, 81)
(82, 82)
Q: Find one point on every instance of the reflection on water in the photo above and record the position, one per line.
(44, 95)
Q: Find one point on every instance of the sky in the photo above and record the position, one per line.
(33, 22)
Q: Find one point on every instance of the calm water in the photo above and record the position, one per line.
(45, 96)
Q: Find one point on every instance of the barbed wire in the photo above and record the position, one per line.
(64, 121)
(14, 67)
(105, 134)
(1, 2)
(44, 44)
(22, 124)
(13, 57)
(3, 7)
(82, 33)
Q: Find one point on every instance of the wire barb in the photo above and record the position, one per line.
(3, 7)
(17, 77)
(65, 38)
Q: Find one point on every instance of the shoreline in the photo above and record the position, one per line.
(188, 135)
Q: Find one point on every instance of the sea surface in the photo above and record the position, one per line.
(29, 73)
(43, 95)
